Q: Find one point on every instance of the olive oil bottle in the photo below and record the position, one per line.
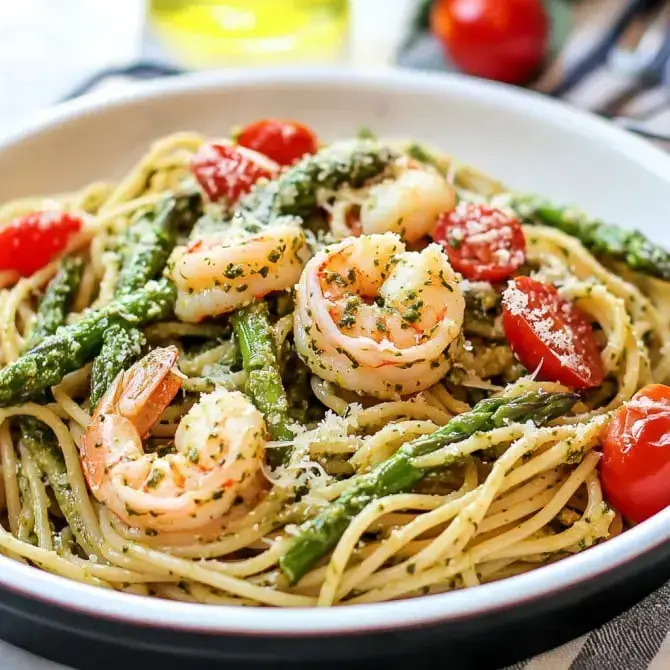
(219, 33)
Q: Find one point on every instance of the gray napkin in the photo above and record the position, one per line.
(639, 639)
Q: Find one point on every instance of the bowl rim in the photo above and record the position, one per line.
(54, 590)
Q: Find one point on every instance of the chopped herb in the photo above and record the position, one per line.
(155, 478)
(233, 271)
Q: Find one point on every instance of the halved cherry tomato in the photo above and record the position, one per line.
(635, 467)
(284, 141)
(30, 242)
(483, 243)
(506, 40)
(551, 335)
(226, 171)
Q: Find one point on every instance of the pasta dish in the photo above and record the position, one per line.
(265, 370)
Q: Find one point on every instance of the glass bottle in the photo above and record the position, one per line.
(219, 33)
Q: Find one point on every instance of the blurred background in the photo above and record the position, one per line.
(609, 56)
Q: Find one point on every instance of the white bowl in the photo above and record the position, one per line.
(527, 141)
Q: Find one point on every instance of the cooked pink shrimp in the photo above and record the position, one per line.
(219, 450)
(377, 319)
(408, 204)
(222, 271)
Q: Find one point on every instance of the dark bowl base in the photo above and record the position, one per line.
(491, 641)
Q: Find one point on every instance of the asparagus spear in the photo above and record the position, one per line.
(264, 383)
(150, 241)
(74, 345)
(629, 246)
(121, 346)
(43, 447)
(35, 436)
(55, 303)
(295, 193)
(297, 377)
(320, 534)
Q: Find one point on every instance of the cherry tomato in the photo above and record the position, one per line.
(635, 467)
(30, 242)
(551, 335)
(284, 141)
(505, 40)
(225, 171)
(483, 243)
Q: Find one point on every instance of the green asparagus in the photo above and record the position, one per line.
(35, 436)
(297, 376)
(121, 346)
(74, 345)
(295, 193)
(603, 239)
(264, 383)
(149, 242)
(43, 447)
(55, 303)
(319, 535)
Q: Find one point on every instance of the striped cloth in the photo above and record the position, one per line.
(639, 639)
(607, 90)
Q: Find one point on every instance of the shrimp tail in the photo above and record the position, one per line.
(144, 394)
(127, 412)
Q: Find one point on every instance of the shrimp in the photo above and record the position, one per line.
(377, 319)
(219, 451)
(225, 270)
(407, 205)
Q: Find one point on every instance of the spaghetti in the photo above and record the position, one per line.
(377, 351)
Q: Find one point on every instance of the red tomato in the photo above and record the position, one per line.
(635, 468)
(505, 40)
(225, 171)
(483, 243)
(284, 141)
(30, 242)
(550, 334)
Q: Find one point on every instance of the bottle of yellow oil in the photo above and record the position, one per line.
(219, 33)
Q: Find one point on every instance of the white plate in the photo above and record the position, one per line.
(527, 141)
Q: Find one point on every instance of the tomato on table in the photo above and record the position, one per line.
(483, 243)
(30, 242)
(635, 467)
(228, 172)
(505, 40)
(284, 141)
(551, 335)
